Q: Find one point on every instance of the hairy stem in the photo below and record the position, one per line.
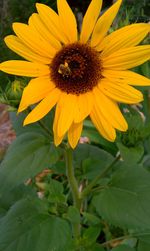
(73, 185)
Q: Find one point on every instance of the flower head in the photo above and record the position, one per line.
(82, 74)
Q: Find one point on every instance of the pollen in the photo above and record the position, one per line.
(76, 68)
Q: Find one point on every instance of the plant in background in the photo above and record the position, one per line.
(85, 191)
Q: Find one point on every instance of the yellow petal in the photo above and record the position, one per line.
(110, 110)
(84, 106)
(90, 19)
(104, 22)
(102, 125)
(51, 21)
(31, 38)
(57, 139)
(36, 23)
(56, 118)
(67, 20)
(43, 107)
(67, 111)
(127, 36)
(74, 134)
(36, 90)
(15, 44)
(23, 68)
(127, 58)
(119, 92)
(126, 77)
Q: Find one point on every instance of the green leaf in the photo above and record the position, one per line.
(134, 135)
(28, 155)
(123, 248)
(145, 68)
(125, 202)
(73, 215)
(96, 247)
(16, 194)
(2, 212)
(91, 167)
(131, 242)
(17, 123)
(10, 197)
(91, 234)
(144, 243)
(131, 155)
(28, 226)
(60, 167)
(55, 190)
(146, 161)
(90, 219)
(147, 144)
(44, 126)
(91, 160)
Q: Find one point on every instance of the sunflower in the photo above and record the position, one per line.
(82, 74)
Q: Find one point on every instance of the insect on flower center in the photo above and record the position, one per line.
(64, 69)
(76, 68)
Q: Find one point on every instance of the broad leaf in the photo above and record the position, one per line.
(11, 197)
(125, 202)
(91, 219)
(28, 155)
(91, 234)
(123, 248)
(91, 160)
(44, 126)
(17, 123)
(55, 191)
(96, 247)
(144, 243)
(73, 215)
(131, 155)
(28, 226)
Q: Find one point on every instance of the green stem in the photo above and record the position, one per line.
(89, 187)
(73, 185)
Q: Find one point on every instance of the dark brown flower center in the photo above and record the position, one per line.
(76, 69)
